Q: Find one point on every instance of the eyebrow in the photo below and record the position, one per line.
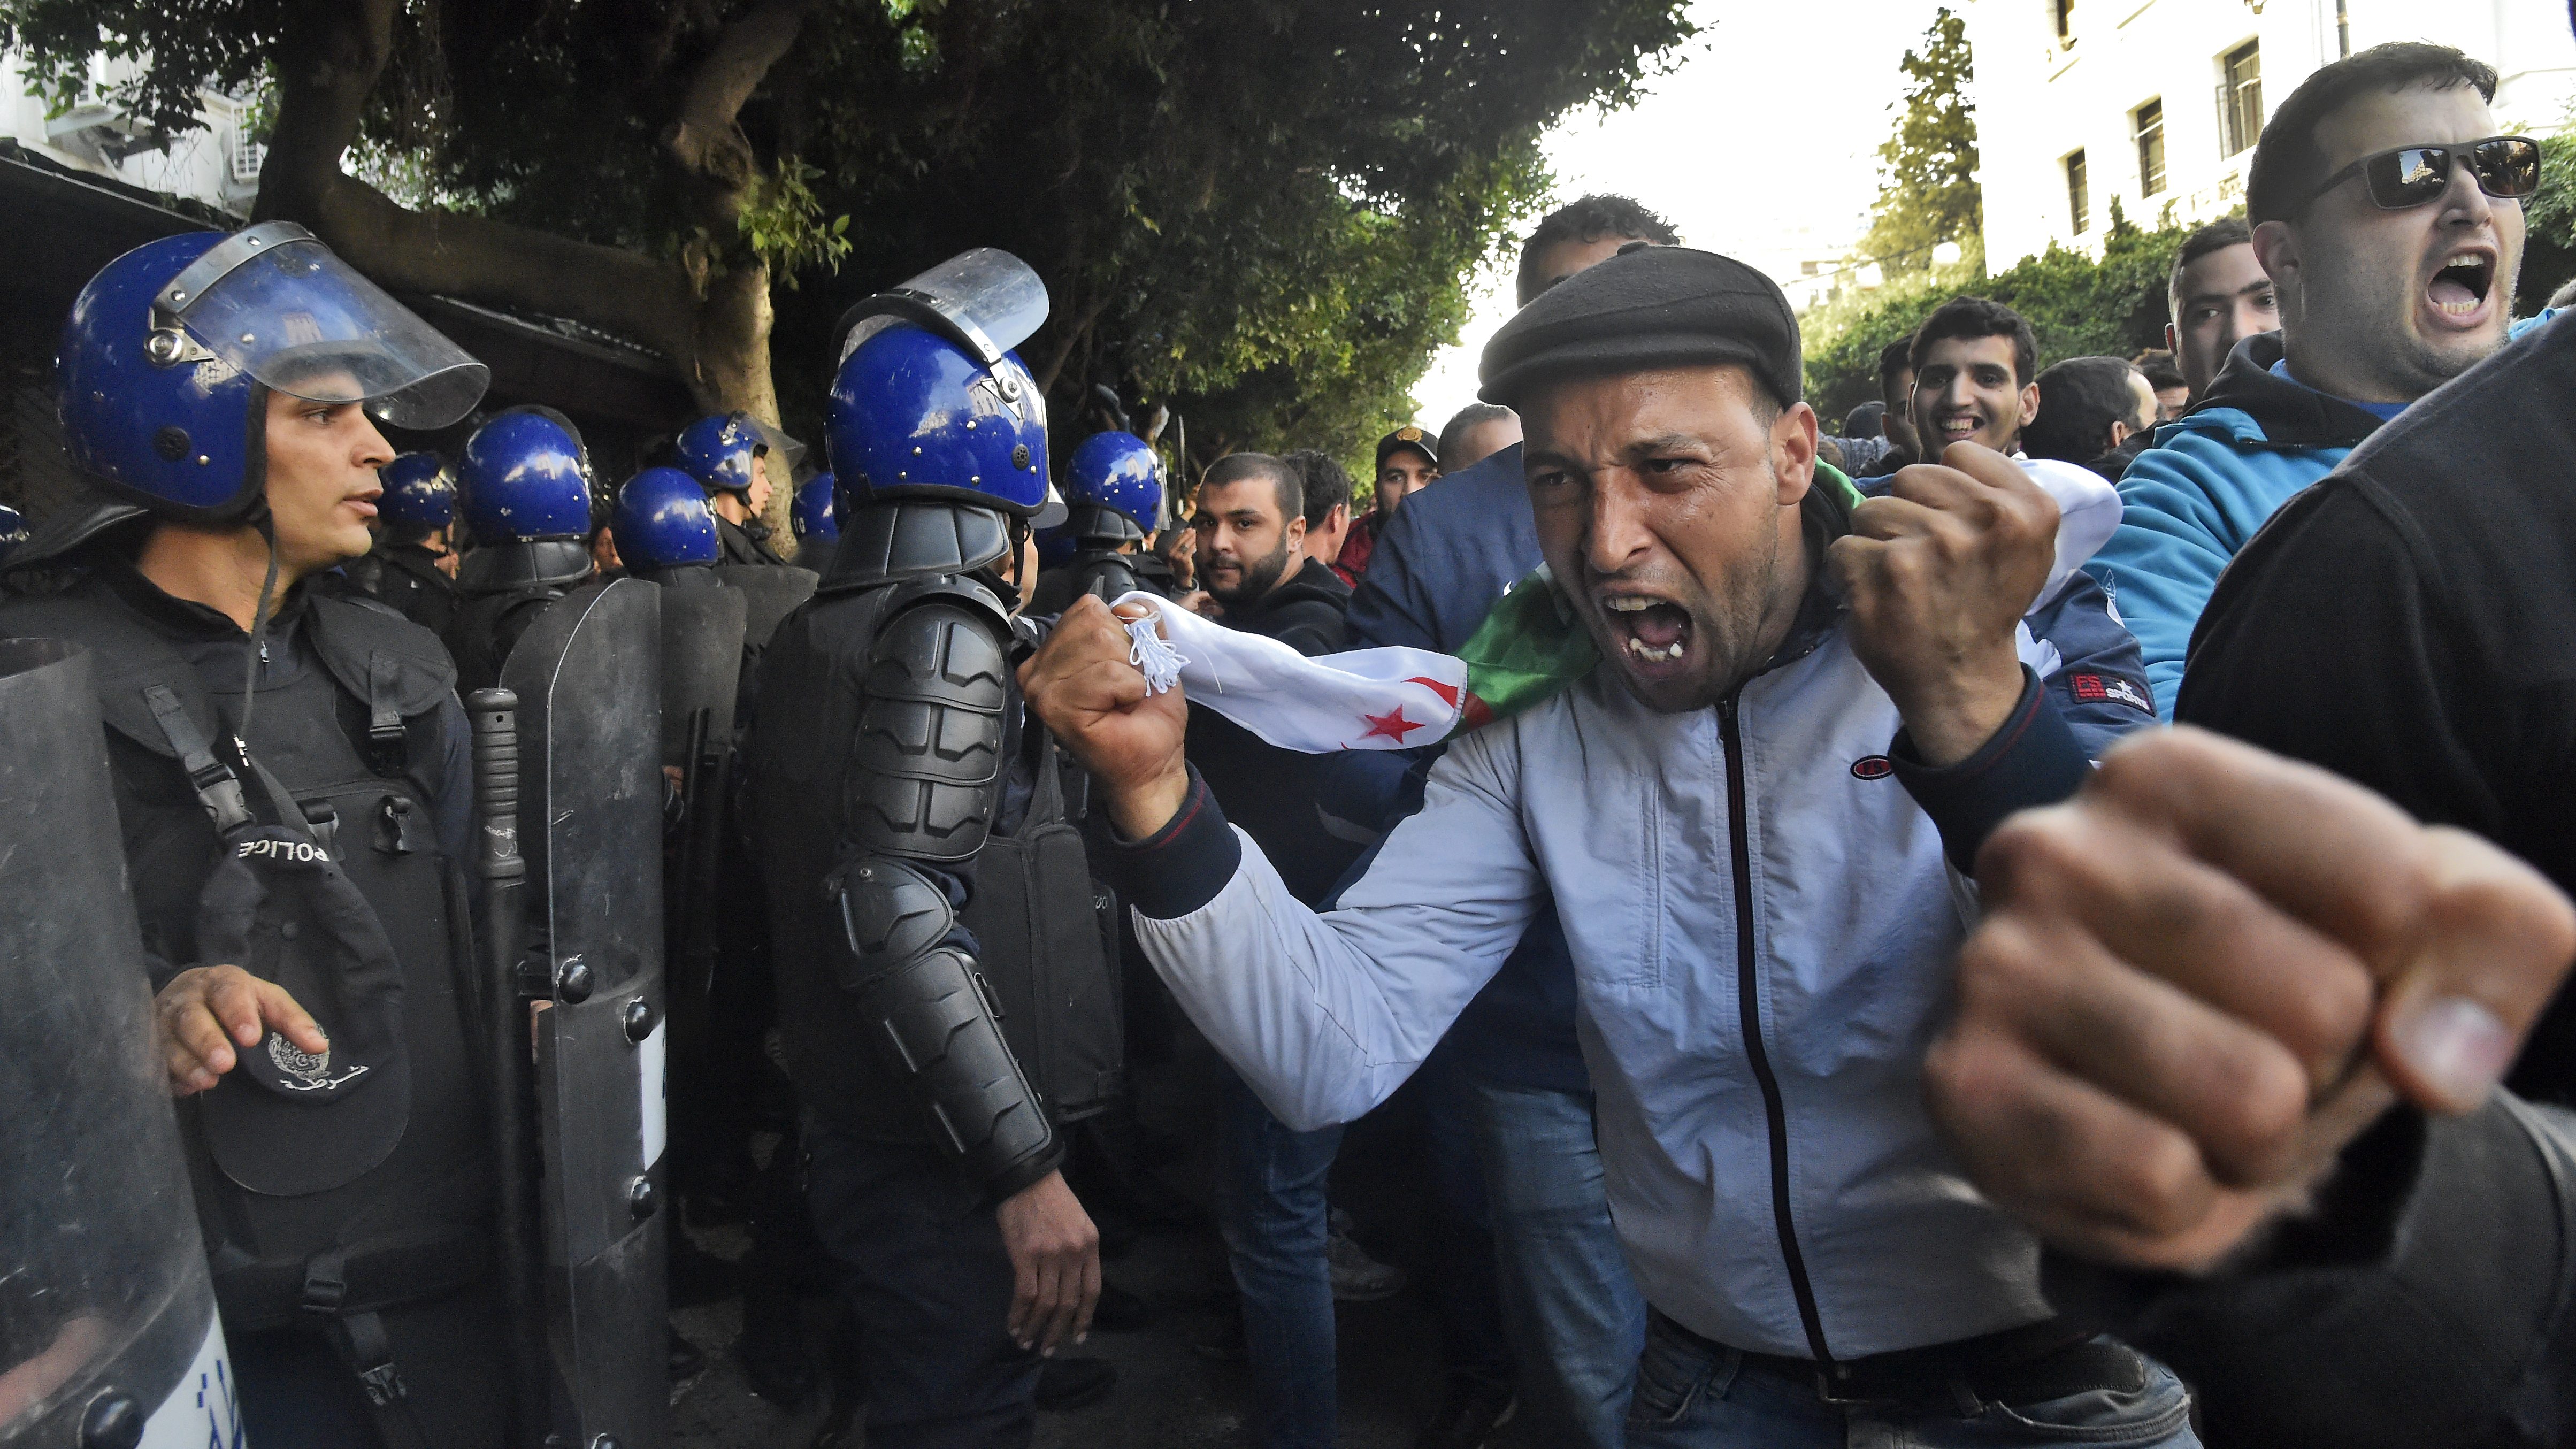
(2191, 299)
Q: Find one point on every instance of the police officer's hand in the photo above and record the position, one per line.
(1055, 1265)
(1938, 573)
(2200, 980)
(205, 1010)
(1086, 690)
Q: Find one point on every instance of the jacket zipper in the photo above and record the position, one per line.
(1748, 1005)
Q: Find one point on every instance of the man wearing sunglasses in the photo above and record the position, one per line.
(2388, 214)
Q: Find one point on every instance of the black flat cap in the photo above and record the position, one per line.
(1649, 307)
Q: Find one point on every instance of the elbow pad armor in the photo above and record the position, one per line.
(934, 1019)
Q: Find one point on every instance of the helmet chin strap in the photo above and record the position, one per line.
(266, 523)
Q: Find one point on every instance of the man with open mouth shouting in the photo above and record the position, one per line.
(1753, 808)
(2388, 214)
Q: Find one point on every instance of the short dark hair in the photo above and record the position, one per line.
(1322, 481)
(1235, 467)
(1977, 317)
(1869, 420)
(2288, 163)
(1588, 219)
(2218, 236)
(1472, 415)
(2161, 369)
(2078, 401)
(1895, 357)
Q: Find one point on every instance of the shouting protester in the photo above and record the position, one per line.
(1800, 701)
(2388, 214)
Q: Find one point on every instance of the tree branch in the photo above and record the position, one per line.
(706, 139)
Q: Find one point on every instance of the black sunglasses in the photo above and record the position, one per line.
(2507, 168)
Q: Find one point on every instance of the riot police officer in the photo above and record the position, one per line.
(527, 502)
(729, 457)
(291, 781)
(1113, 494)
(817, 526)
(889, 763)
(413, 565)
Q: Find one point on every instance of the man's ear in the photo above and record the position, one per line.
(2276, 247)
(1793, 452)
(1297, 532)
(2119, 435)
(2173, 339)
(2029, 403)
(1340, 517)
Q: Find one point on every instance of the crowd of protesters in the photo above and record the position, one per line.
(1836, 1007)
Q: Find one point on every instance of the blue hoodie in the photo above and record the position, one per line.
(2213, 478)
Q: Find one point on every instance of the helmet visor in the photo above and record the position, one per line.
(986, 300)
(301, 321)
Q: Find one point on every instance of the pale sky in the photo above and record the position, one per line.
(1763, 143)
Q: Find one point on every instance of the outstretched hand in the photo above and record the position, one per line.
(2196, 983)
(1055, 1265)
(1083, 685)
(206, 1010)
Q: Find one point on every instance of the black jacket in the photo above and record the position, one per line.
(1274, 793)
(2430, 1301)
(740, 545)
(2409, 622)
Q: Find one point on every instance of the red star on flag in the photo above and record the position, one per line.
(1391, 724)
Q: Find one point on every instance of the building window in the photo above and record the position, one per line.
(2150, 120)
(2079, 201)
(2240, 98)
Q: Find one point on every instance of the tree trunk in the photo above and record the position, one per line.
(711, 322)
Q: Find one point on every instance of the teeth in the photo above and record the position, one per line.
(1652, 655)
(1627, 604)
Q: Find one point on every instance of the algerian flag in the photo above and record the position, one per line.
(1530, 647)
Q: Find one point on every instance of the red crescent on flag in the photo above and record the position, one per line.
(1448, 692)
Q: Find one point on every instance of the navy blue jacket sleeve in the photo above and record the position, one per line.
(2100, 686)
(2033, 759)
(1393, 603)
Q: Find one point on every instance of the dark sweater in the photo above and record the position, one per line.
(1275, 794)
(2409, 622)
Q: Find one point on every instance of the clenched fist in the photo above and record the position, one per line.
(1938, 573)
(1091, 694)
(2201, 979)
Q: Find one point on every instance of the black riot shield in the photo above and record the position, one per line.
(772, 592)
(702, 638)
(587, 676)
(108, 1332)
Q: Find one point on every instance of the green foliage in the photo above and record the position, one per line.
(1928, 177)
(783, 221)
(2549, 244)
(2077, 306)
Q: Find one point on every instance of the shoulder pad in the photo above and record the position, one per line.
(125, 659)
(370, 649)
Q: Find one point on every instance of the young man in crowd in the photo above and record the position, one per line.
(1773, 655)
(1571, 1312)
(2164, 379)
(2394, 276)
(2090, 409)
(1896, 396)
(1476, 432)
(1974, 364)
(2218, 296)
(1406, 464)
(1271, 1201)
(1327, 490)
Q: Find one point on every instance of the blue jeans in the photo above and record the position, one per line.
(1271, 1207)
(1696, 1395)
(1574, 1315)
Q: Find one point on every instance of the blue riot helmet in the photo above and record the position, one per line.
(813, 515)
(929, 401)
(420, 493)
(1113, 488)
(526, 477)
(13, 531)
(662, 521)
(718, 451)
(172, 348)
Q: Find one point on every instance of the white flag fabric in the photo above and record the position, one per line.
(1362, 699)
(2088, 510)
